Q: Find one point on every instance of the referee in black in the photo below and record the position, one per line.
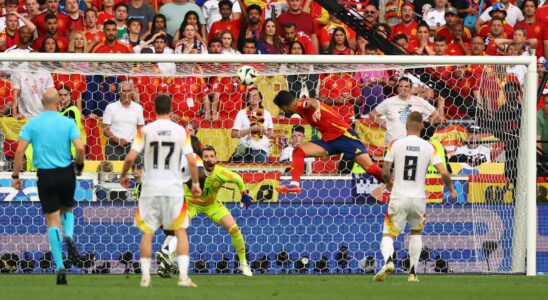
(51, 135)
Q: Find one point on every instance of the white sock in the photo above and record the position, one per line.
(415, 248)
(145, 267)
(294, 183)
(387, 247)
(165, 245)
(183, 261)
(172, 247)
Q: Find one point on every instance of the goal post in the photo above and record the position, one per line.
(522, 226)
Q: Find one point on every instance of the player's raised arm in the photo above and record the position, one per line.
(314, 104)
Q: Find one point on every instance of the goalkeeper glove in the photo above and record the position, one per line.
(246, 199)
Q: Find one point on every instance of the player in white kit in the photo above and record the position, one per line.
(410, 156)
(162, 195)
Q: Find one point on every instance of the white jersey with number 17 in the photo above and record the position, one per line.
(163, 143)
(410, 156)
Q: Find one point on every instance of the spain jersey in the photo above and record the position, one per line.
(330, 124)
(162, 143)
(410, 156)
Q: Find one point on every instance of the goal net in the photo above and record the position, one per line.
(476, 110)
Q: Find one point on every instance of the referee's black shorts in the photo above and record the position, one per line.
(56, 188)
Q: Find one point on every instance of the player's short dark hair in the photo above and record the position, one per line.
(225, 2)
(423, 24)
(214, 40)
(298, 128)
(91, 9)
(404, 78)
(162, 104)
(121, 4)
(522, 6)
(109, 22)
(161, 37)
(209, 148)
(253, 7)
(14, 2)
(283, 98)
(50, 17)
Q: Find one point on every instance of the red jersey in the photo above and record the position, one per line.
(303, 22)
(62, 43)
(446, 33)
(334, 86)
(117, 47)
(324, 34)
(77, 24)
(457, 49)
(5, 92)
(8, 40)
(218, 27)
(63, 24)
(231, 95)
(415, 44)
(409, 30)
(330, 124)
(90, 37)
(102, 17)
(306, 41)
(188, 93)
(541, 15)
(535, 31)
(508, 30)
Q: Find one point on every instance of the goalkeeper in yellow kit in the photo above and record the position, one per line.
(212, 182)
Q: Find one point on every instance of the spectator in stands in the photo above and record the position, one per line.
(120, 17)
(78, 43)
(339, 45)
(371, 14)
(297, 138)
(371, 83)
(227, 20)
(33, 8)
(497, 11)
(535, 29)
(496, 31)
(513, 13)
(193, 19)
(229, 44)
(25, 39)
(93, 34)
(447, 30)
(121, 121)
(111, 44)
(269, 40)
(51, 31)
(63, 21)
(176, 11)
(471, 154)
(422, 44)
(401, 42)
(11, 8)
(435, 16)
(458, 46)
(138, 9)
(250, 46)
(159, 25)
(477, 46)
(301, 85)
(215, 46)
(519, 40)
(133, 34)
(190, 42)
(514, 49)
(10, 35)
(75, 15)
(49, 45)
(408, 25)
(212, 11)
(291, 35)
(324, 35)
(303, 21)
(254, 127)
(28, 88)
(341, 91)
(395, 110)
(251, 26)
(107, 13)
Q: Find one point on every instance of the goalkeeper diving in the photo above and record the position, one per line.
(212, 179)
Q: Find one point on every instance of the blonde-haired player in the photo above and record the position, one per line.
(162, 194)
(410, 156)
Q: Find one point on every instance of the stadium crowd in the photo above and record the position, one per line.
(420, 27)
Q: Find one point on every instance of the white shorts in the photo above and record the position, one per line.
(403, 211)
(167, 211)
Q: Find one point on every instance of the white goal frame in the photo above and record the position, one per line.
(524, 232)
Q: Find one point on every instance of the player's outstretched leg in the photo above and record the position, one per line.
(387, 249)
(307, 149)
(364, 160)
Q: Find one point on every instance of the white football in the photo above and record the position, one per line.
(247, 75)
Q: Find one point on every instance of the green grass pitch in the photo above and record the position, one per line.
(313, 287)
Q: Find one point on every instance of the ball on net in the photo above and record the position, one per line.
(247, 75)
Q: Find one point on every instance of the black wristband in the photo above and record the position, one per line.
(79, 167)
(13, 176)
